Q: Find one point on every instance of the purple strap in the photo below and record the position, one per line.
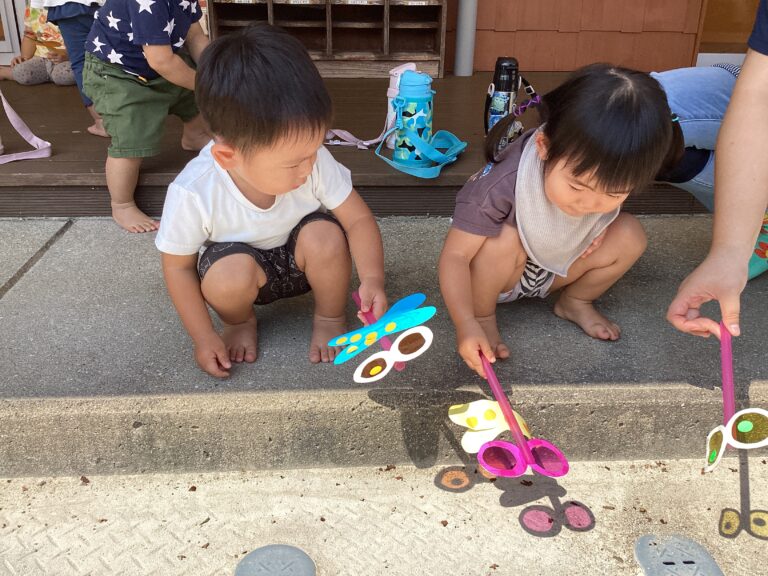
(726, 365)
(42, 149)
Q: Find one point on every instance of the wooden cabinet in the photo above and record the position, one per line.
(349, 38)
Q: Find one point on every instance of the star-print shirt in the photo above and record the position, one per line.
(122, 27)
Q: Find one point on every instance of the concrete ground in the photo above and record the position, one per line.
(375, 521)
(98, 375)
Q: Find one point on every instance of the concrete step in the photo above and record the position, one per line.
(98, 375)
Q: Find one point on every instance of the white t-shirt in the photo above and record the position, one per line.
(203, 205)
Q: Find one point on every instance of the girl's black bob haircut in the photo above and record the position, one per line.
(610, 123)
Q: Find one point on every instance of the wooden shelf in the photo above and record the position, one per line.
(357, 37)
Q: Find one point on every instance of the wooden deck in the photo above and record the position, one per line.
(71, 182)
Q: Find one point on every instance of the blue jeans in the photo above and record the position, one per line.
(74, 31)
(699, 96)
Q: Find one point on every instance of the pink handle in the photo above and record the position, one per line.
(386, 343)
(726, 366)
(506, 409)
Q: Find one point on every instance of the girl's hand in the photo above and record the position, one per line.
(595, 244)
(212, 355)
(18, 60)
(372, 299)
(471, 339)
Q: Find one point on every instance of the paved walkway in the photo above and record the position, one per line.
(371, 522)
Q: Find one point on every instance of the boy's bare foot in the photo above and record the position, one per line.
(491, 329)
(128, 216)
(97, 129)
(323, 329)
(584, 314)
(241, 340)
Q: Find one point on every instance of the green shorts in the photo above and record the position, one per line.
(134, 110)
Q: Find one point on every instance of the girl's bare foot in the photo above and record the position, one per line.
(491, 329)
(129, 217)
(323, 330)
(97, 129)
(241, 340)
(584, 314)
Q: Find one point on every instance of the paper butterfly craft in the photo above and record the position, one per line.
(503, 458)
(484, 421)
(405, 315)
(746, 429)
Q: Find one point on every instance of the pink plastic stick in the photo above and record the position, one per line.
(506, 409)
(726, 365)
(386, 343)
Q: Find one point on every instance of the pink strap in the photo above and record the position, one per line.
(335, 137)
(42, 149)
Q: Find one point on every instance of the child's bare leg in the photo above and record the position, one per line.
(590, 277)
(195, 135)
(97, 129)
(322, 254)
(6, 73)
(230, 287)
(496, 268)
(122, 177)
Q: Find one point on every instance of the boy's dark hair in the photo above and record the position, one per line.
(259, 85)
(611, 121)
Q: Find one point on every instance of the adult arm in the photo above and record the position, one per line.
(741, 196)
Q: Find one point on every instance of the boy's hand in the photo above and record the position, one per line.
(595, 244)
(471, 339)
(372, 298)
(212, 355)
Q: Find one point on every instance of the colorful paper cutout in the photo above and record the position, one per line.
(402, 315)
(409, 345)
(484, 421)
(505, 459)
(745, 429)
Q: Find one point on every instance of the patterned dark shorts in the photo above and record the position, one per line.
(284, 279)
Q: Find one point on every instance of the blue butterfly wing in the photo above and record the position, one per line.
(383, 328)
(404, 305)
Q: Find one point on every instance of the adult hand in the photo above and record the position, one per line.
(212, 355)
(720, 277)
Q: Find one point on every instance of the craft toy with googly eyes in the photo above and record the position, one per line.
(484, 421)
(405, 315)
(744, 429)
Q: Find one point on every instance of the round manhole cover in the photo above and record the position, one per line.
(276, 560)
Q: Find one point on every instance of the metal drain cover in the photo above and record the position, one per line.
(674, 556)
(276, 560)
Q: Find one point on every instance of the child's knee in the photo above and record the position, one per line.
(233, 278)
(506, 249)
(322, 240)
(629, 235)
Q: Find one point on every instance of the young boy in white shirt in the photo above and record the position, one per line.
(257, 196)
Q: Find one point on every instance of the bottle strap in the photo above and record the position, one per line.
(42, 148)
